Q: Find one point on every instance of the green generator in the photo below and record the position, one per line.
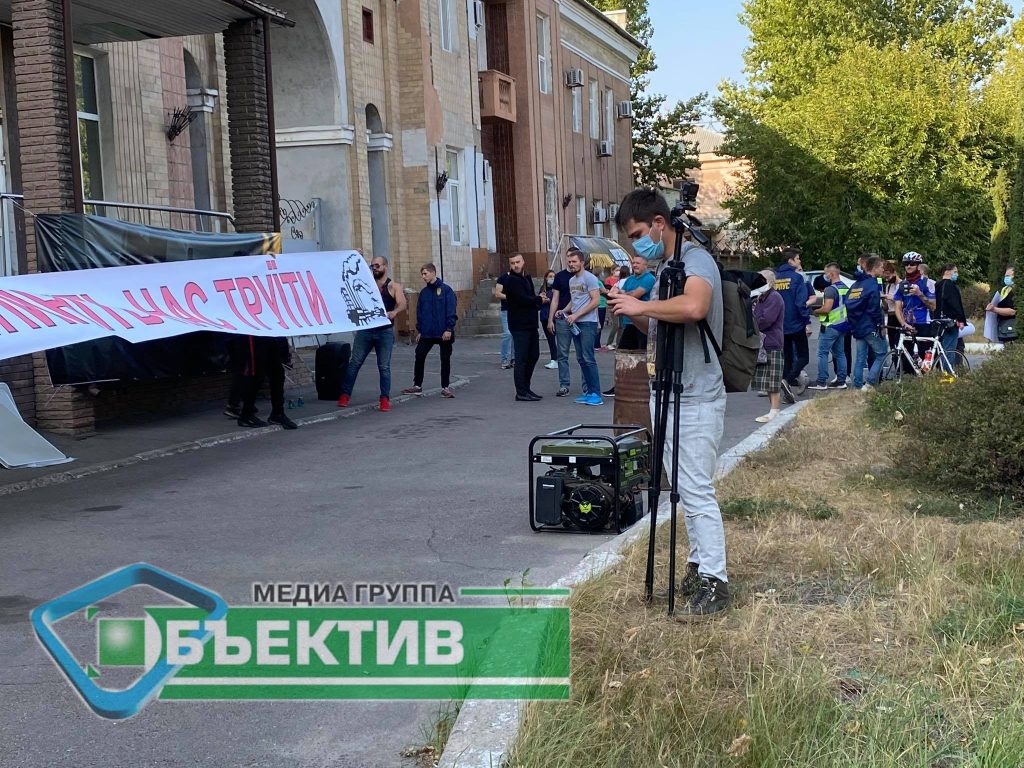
(594, 479)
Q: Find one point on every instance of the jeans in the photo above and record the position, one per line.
(950, 339)
(880, 347)
(506, 338)
(527, 350)
(563, 339)
(380, 340)
(797, 355)
(700, 431)
(584, 342)
(422, 348)
(831, 342)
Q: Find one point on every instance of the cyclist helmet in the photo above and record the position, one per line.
(912, 257)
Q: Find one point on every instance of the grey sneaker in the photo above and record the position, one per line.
(447, 392)
(687, 587)
(787, 393)
(712, 597)
(801, 382)
(413, 390)
(562, 392)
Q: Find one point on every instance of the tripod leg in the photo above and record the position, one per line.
(677, 390)
(660, 425)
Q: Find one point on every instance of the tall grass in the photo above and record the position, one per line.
(868, 637)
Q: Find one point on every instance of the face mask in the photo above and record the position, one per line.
(955, 276)
(648, 249)
(1007, 280)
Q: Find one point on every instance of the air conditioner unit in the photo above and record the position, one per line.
(625, 110)
(478, 13)
(604, 148)
(574, 78)
(600, 215)
(613, 210)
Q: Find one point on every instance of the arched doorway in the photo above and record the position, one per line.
(378, 144)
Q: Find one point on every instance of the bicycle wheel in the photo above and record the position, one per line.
(892, 370)
(961, 365)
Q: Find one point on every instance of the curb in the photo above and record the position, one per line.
(982, 349)
(58, 478)
(485, 730)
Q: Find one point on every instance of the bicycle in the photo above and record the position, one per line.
(901, 360)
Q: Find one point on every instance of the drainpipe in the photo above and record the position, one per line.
(438, 188)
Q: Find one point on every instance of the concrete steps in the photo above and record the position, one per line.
(483, 317)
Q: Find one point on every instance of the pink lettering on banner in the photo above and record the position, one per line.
(144, 316)
(225, 286)
(284, 299)
(290, 278)
(6, 326)
(86, 310)
(178, 311)
(35, 319)
(57, 306)
(251, 299)
(110, 311)
(270, 297)
(317, 305)
(194, 292)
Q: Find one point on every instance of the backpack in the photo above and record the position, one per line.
(741, 341)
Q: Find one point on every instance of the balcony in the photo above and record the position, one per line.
(497, 97)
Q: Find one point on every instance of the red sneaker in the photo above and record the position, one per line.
(343, 401)
(385, 404)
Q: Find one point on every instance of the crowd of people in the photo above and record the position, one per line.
(859, 323)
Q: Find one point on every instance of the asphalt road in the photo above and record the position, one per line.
(433, 491)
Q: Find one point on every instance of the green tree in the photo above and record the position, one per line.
(660, 151)
(863, 126)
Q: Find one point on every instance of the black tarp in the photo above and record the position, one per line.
(66, 242)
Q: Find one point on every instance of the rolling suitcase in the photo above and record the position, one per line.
(331, 365)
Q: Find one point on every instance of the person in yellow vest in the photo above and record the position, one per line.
(834, 329)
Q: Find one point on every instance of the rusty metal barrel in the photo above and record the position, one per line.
(632, 388)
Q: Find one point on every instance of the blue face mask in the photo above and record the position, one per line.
(1007, 280)
(955, 276)
(648, 249)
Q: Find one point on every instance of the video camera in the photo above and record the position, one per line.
(684, 221)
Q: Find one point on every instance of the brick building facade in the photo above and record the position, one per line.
(566, 158)
(398, 119)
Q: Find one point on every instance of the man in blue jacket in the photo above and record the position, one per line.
(864, 314)
(436, 315)
(791, 285)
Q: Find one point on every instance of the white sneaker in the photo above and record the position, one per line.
(766, 418)
(552, 365)
(867, 388)
(611, 347)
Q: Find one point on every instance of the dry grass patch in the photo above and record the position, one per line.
(862, 635)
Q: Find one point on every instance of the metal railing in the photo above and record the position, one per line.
(168, 216)
(171, 217)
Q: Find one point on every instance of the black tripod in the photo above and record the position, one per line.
(667, 387)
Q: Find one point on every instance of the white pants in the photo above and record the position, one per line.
(700, 432)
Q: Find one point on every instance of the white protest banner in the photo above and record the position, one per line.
(287, 295)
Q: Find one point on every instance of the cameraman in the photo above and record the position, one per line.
(645, 218)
